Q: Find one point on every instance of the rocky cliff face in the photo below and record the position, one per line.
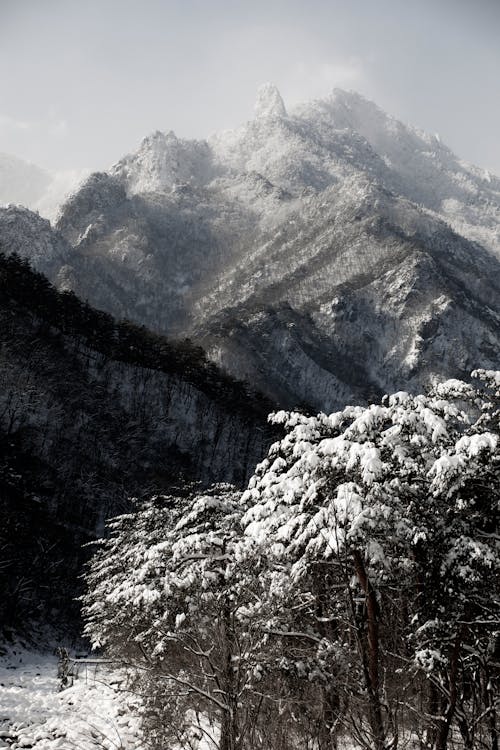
(32, 237)
(328, 253)
(92, 413)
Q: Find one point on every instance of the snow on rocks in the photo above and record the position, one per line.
(269, 102)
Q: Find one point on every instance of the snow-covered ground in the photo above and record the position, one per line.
(95, 711)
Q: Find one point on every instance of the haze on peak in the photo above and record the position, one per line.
(269, 102)
(94, 78)
(41, 190)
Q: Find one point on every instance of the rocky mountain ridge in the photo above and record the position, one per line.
(326, 254)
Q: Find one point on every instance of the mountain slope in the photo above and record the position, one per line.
(310, 251)
(421, 167)
(92, 412)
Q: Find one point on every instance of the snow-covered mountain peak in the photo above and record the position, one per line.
(415, 164)
(346, 110)
(269, 102)
(315, 146)
(164, 161)
(350, 99)
(158, 139)
(306, 251)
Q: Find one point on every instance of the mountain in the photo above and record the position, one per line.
(326, 254)
(420, 167)
(26, 184)
(30, 236)
(92, 412)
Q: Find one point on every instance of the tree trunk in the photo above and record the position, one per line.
(229, 737)
(489, 700)
(229, 730)
(327, 628)
(327, 739)
(449, 712)
(371, 657)
(432, 709)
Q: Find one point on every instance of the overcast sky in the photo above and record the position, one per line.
(83, 82)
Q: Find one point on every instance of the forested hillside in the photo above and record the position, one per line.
(93, 411)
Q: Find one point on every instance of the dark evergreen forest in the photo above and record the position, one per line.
(92, 412)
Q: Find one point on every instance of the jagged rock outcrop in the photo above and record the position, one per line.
(269, 102)
(29, 235)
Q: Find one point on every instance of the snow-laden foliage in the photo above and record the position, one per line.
(353, 584)
(395, 507)
(160, 559)
(168, 594)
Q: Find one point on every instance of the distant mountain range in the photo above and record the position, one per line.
(327, 254)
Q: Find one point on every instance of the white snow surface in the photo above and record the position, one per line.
(95, 712)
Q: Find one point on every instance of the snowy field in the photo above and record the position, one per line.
(94, 712)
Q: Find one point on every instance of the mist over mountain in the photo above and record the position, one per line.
(26, 184)
(21, 182)
(327, 254)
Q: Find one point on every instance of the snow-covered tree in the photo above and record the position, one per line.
(383, 518)
(352, 589)
(167, 595)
